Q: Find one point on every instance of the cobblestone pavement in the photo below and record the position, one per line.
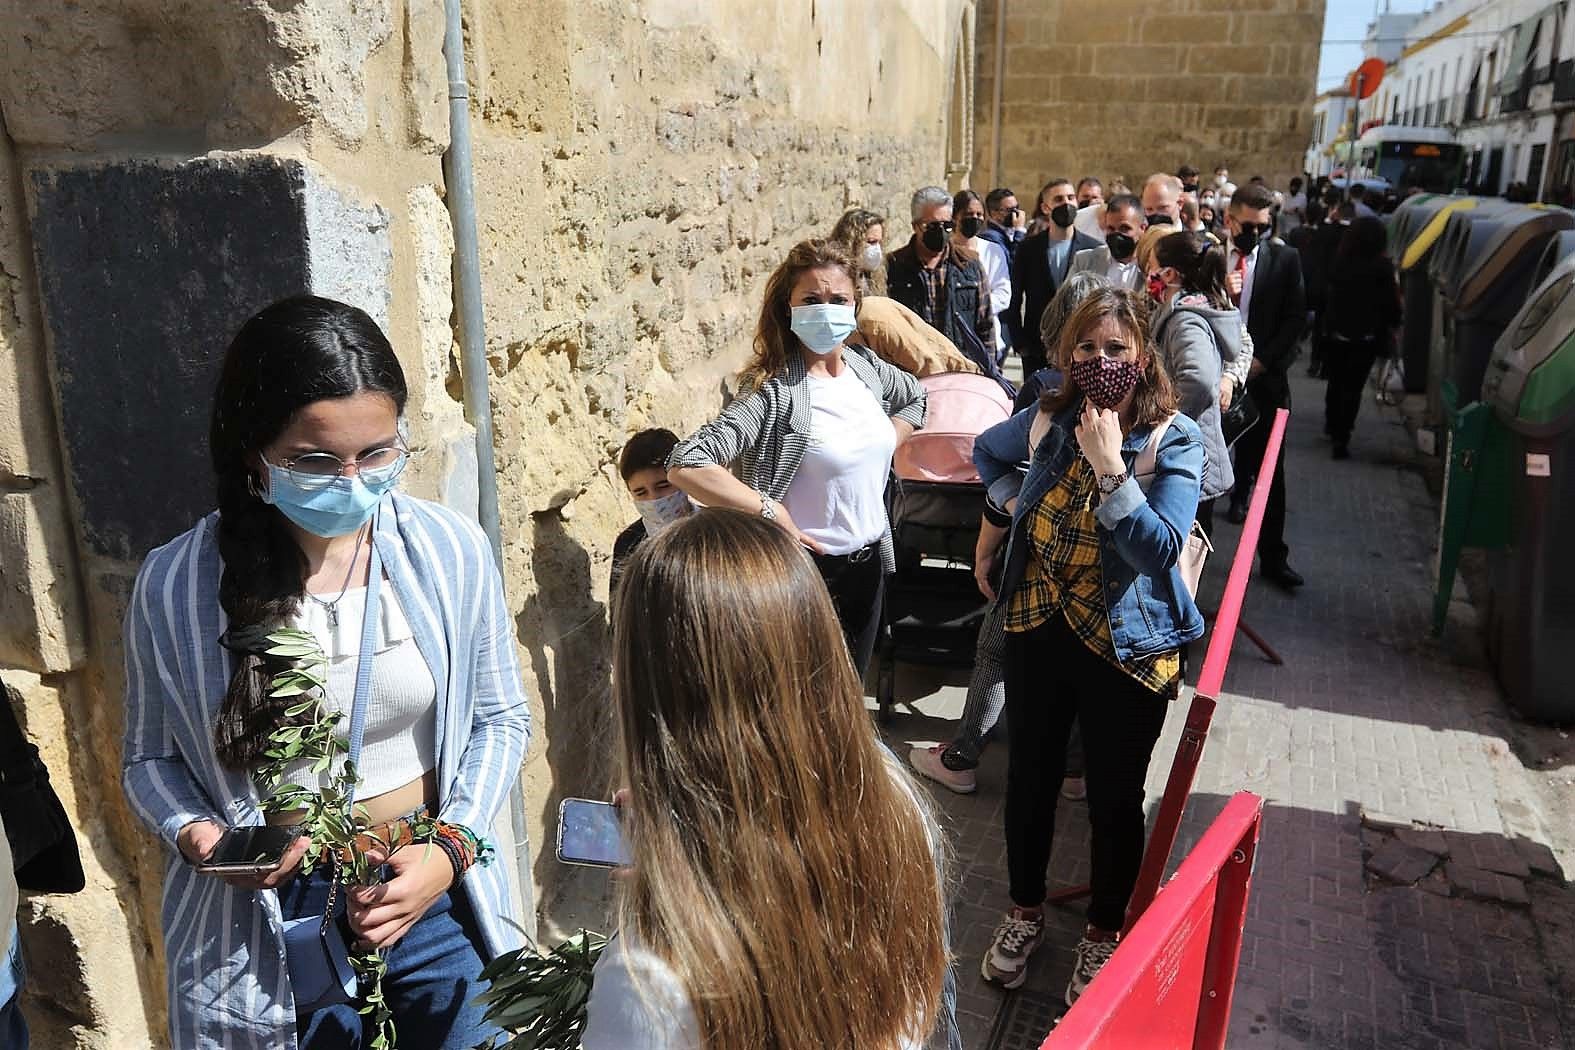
(1407, 892)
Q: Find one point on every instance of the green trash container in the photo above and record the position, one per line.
(1483, 269)
(1530, 611)
(1414, 231)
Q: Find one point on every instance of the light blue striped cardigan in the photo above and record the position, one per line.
(227, 983)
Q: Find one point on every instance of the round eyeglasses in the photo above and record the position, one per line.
(318, 470)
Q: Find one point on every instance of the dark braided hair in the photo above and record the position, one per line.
(295, 352)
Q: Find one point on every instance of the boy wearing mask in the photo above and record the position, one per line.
(643, 466)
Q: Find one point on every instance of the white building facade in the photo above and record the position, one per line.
(1498, 75)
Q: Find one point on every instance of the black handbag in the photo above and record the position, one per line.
(43, 844)
(1240, 417)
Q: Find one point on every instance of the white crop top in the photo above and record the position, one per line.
(399, 744)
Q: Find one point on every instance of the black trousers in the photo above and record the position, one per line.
(1346, 366)
(1249, 457)
(858, 587)
(1052, 678)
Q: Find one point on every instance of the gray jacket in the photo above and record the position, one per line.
(1097, 261)
(1196, 344)
(767, 431)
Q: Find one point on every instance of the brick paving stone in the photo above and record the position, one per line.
(1398, 862)
(1479, 882)
(1369, 722)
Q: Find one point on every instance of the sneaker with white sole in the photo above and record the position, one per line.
(1074, 789)
(927, 761)
(1006, 963)
(1091, 958)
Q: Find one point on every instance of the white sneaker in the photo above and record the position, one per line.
(1091, 958)
(927, 761)
(1006, 963)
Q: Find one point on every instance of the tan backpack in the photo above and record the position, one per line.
(1195, 550)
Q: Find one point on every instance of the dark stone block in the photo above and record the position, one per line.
(146, 272)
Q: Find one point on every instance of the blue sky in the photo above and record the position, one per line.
(1346, 20)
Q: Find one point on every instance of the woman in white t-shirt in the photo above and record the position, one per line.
(813, 435)
(786, 891)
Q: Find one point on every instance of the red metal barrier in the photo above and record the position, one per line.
(1189, 751)
(1169, 985)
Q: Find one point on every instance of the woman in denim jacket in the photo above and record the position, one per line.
(1096, 611)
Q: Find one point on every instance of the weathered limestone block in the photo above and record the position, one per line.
(131, 253)
(41, 617)
(238, 72)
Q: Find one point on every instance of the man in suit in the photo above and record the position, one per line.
(1265, 279)
(1042, 263)
(1124, 224)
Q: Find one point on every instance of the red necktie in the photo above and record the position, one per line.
(1241, 270)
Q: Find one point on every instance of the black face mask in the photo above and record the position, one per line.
(1189, 187)
(971, 225)
(1245, 241)
(1063, 215)
(1158, 219)
(933, 238)
(1121, 246)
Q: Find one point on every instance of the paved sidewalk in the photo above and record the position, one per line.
(1368, 927)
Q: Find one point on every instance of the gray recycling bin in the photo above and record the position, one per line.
(1482, 269)
(1530, 618)
(1414, 231)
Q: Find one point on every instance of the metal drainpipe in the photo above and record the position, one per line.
(458, 177)
(995, 91)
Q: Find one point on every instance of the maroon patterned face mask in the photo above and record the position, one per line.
(1104, 382)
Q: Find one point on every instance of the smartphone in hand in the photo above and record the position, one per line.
(255, 850)
(589, 833)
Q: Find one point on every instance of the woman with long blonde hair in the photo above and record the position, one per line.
(1091, 587)
(785, 891)
(813, 434)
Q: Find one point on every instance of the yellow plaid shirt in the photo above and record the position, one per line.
(1064, 575)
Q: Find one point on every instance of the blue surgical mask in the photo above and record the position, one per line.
(663, 511)
(337, 508)
(824, 326)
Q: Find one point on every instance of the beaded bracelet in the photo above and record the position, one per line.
(463, 847)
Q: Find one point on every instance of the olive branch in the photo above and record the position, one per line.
(541, 999)
(308, 732)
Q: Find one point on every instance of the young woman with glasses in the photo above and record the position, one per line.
(1096, 611)
(307, 446)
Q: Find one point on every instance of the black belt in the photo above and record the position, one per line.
(858, 557)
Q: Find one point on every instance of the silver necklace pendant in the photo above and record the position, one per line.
(333, 615)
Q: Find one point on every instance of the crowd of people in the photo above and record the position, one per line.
(765, 819)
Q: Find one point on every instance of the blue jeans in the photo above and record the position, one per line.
(432, 981)
(13, 1026)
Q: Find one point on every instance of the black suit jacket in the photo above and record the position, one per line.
(1276, 315)
(1033, 286)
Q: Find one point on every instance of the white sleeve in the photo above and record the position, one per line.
(637, 1003)
(1239, 368)
(998, 275)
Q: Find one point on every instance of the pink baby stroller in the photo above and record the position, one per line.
(933, 607)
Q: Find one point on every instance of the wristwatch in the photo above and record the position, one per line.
(1108, 483)
(767, 509)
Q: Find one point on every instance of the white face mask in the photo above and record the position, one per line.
(872, 258)
(663, 512)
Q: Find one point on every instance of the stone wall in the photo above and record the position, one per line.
(1136, 87)
(168, 167)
